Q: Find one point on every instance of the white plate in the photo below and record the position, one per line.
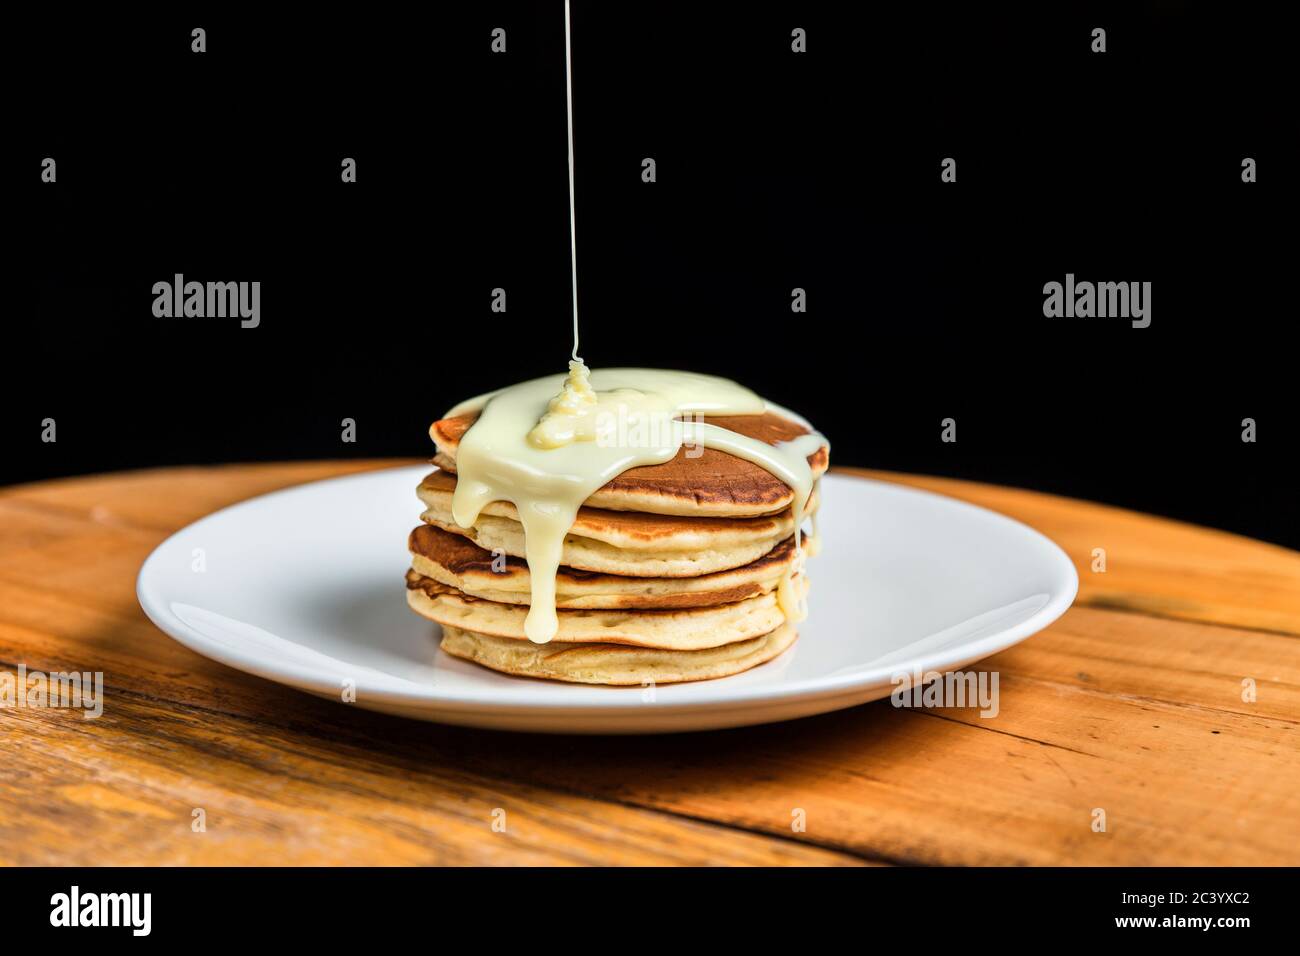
(305, 587)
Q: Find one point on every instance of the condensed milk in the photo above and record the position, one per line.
(546, 445)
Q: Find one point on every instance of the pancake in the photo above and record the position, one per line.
(456, 561)
(612, 664)
(622, 542)
(681, 629)
(698, 481)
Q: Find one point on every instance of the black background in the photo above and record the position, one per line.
(775, 170)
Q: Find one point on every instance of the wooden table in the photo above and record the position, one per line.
(1132, 703)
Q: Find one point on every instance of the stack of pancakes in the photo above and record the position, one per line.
(669, 573)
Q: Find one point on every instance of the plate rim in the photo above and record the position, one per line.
(431, 700)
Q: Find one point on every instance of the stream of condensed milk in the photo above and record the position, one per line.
(573, 208)
(548, 444)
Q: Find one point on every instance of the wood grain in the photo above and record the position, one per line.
(1132, 703)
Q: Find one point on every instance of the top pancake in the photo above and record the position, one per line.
(698, 481)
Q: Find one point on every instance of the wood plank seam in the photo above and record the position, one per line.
(1162, 702)
(1005, 733)
(1109, 604)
